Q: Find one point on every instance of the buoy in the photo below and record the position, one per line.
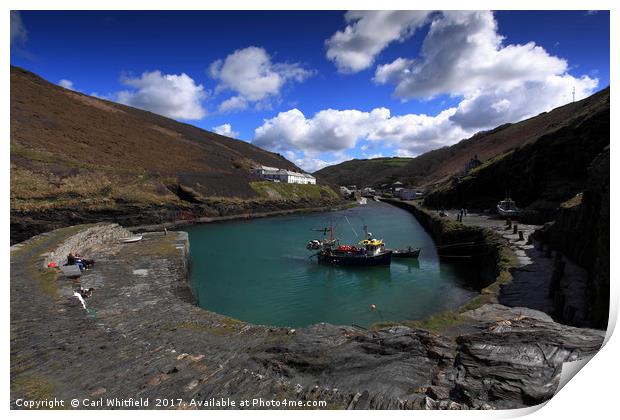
(52, 265)
(373, 306)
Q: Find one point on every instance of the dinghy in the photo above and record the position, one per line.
(132, 239)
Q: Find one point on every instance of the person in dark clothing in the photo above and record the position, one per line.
(73, 260)
(87, 263)
(76, 259)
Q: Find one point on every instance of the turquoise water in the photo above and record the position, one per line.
(259, 271)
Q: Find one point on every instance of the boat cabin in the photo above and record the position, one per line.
(373, 246)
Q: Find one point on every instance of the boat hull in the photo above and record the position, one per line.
(507, 213)
(349, 259)
(414, 253)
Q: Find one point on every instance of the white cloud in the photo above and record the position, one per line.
(462, 56)
(367, 33)
(171, 95)
(67, 84)
(420, 133)
(19, 34)
(329, 130)
(492, 107)
(251, 74)
(233, 103)
(336, 131)
(463, 53)
(310, 163)
(226, 130)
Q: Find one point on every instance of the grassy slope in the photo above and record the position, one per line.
(79, 159)
(281, 191)
(362, 172)
(67, 147)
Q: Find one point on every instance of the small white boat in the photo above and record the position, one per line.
(362, 201)
(508, 208)
(132, 239)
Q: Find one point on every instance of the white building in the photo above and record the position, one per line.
(282, 175)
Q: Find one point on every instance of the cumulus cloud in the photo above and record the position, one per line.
(67, 84)
(463, 53)
(19, 34)
(253, 77)
(226, 130)
(420, 133)
(171, 95)
(493, 107)
(328, 130)
(369, 32)
(310, 163)
(336, 131)
(233, 103)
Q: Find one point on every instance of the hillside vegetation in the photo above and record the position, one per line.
(364, 172)
(76, 158)
(282, 191)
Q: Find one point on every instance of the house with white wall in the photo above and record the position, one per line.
(283, 175)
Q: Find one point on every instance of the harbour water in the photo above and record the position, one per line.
(260, 271)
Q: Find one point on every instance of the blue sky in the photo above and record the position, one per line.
(322, 87)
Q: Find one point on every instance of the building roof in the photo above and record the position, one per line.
(276, 171)
(266, 168)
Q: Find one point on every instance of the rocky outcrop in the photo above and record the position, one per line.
(140, 337)
(25, 224)
(517, 360)
(580, 231)
(98, 239)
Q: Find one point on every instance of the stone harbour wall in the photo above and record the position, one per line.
(139, 337)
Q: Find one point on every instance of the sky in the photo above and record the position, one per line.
(322, 87)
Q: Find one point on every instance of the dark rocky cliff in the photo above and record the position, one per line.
(538, 176)
(563, 177)
(581, 231)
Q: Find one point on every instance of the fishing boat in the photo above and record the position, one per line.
(368, 252)
(408, 252)
(508, 208)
